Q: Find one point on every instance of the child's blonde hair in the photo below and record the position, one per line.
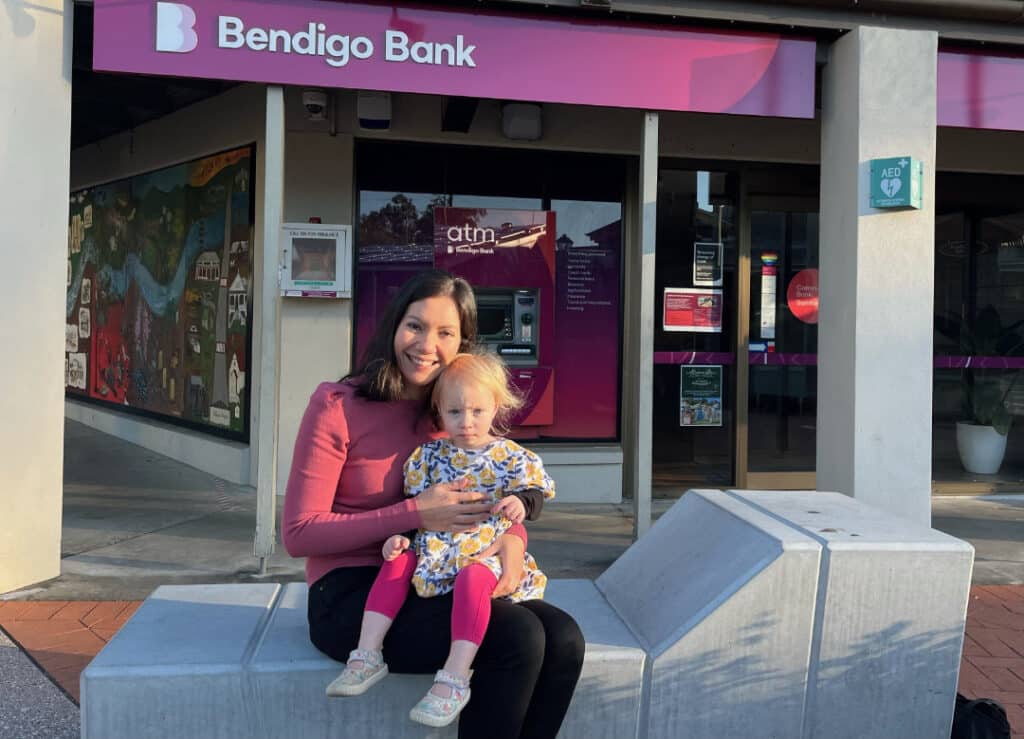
(485, 370)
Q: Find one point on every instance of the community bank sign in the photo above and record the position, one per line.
(458, 52)
(175, 32)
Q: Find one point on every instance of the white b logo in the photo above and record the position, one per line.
(175, 28)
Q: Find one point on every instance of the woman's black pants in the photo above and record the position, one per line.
(524, 674)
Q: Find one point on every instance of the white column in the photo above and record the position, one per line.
(639, 335)
(35, 152)
(267, 327)
(877, 274)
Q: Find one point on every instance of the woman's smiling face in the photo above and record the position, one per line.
(428, 337)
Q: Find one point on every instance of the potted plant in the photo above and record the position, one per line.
(981, 437)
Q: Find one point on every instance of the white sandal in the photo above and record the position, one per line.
(433, 710)
(357, 680)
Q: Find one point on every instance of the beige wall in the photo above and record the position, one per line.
(35, 128)
(232, 119)
(316, 334)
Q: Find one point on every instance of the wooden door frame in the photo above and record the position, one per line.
(744, 477)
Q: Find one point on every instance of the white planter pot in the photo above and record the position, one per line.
(981, 448)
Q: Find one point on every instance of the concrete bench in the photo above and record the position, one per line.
(739, 614)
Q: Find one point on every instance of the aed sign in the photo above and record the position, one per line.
(896, 182)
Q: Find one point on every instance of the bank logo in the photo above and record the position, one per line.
(175, 28)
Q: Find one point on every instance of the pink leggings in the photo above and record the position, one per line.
(471, 605)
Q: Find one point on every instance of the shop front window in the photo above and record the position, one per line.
(695, 282)
(538, 235)
(978, 429)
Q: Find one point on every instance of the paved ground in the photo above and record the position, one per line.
(134, 519)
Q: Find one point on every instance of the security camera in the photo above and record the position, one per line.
(315, 103)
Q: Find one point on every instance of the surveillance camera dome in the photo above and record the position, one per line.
(315, 103)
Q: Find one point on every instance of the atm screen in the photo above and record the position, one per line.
(491, 320)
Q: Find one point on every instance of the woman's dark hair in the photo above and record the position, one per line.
(377, 376)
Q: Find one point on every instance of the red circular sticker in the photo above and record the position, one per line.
(802, 295)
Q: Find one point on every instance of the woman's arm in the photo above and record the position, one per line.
(309, 526)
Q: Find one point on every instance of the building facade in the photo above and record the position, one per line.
(664, 194)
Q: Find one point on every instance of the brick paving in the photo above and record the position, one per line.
(992, 665)
(63, 636)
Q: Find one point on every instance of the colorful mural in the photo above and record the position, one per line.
(158, 292)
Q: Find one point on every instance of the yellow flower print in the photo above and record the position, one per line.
(443, 451)
(531, 566)
(531, 471)
(473, 481)
(486, 534)
(459, 460)
(498, 453)
(540, 581)
(417, 582)
(413, 478)
(435, 476)
(435, 546)
(469, 546)
(417, 454)
(487, 476)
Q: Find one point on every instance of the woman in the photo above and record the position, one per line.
(344, 498)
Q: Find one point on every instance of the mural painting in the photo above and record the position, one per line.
(159, 286)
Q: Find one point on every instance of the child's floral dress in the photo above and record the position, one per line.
(497, 469)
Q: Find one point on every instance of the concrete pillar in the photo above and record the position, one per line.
(267, 327)
(35, 152)
(877, 274)
(638, 355)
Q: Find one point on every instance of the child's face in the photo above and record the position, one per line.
(467, 414)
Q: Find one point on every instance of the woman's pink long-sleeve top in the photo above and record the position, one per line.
(345, 494)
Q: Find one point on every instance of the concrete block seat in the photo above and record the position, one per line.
(739, 614)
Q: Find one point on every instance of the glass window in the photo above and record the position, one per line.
(401, 185)
(979, 341)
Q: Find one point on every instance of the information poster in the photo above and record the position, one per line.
(692, 309)
(707, 264)
(769, 287)
(700, 395)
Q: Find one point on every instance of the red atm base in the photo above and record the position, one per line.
(537, 384)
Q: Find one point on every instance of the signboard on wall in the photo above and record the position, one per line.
(692, 309)
(447, 52)
(158, 293)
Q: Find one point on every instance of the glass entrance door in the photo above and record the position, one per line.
(778, 438)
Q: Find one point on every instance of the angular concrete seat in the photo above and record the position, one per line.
(236, 661)
(739, 614)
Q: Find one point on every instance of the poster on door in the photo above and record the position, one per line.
(707, 264)
(692, 309)
(769, 287)
(700, 395)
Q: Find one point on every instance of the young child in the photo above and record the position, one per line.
(472, 400)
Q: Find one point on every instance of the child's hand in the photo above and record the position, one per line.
(394, 546)
(512, 508)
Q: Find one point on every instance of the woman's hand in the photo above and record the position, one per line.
(448, 506)
(394, 546)
(511, 551)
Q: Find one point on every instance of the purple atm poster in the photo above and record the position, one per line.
(574, 264)
(587, 310)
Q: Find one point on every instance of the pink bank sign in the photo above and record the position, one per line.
(475, 54)
(980, 90)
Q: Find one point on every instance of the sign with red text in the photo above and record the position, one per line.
(692, 309)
